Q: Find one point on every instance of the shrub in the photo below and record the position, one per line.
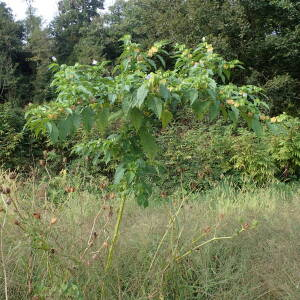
(285, 147)
(200, 154)
(283, 91)
(17, 145)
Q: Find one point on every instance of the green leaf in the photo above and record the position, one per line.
(155, 104)
(119, 174)
(84, 90)
(212, 94)
(161, 60)
(141, 95)
(76, 119)
(227, 74)
(148, 143)
(53, 132)
(256, 126)
(112, 98)
(142, 199)
(164, 92)
(152, 63)
(224, 112)
(234, 114)
(65, 128)
(102, 119)
(136, 117)
(200, 108)
(214, 111)
(193, 95)
(166, 118)
(49, 127)
(274, 128)
(115, 116)
(88, 118)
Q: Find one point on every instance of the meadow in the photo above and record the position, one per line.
(220, 244)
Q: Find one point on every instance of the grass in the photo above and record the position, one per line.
(56, 247)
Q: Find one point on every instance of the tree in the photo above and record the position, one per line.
(12, 56)
(264, 35)
(137, 99)
(70, 26)
(39, 45)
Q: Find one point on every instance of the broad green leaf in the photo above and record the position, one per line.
(85, 90)
(141, 95)
(49, 127)
(193, 95)
(65, 128)
(227, 74)
(148, 143)
(129, 175)
(212, 94)
(234, 114)
(224, 112)
(166, 118)
(136, 117)
(155, 104)
(164, 92)
(214, 110)
(119, 174)
(142, 199)
(88, 118)
(256, 126)
(200, 108)
(53, 132)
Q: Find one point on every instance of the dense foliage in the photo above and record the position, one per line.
(139, 98)
(264, 35)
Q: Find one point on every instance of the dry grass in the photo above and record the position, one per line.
(66, 259)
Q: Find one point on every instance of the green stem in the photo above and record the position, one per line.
(116, 233)
(203, 244)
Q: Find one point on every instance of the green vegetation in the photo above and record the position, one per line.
(151, 151)
(59, 250)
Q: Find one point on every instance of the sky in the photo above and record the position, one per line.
(45, 8)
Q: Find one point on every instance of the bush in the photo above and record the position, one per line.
(285, 148)
(201, 155)
(283, 91)
(18, 147)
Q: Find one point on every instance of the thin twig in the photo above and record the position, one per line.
(91, 234)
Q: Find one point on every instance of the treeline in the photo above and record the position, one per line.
(263, 34)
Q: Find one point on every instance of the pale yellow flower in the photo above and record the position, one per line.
(230, 102)
(152, 51)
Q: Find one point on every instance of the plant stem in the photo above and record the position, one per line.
(116, 233)
(203, 244)
(171, 221)
(2, 254)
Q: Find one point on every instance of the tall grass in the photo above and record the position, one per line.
(55, 244)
